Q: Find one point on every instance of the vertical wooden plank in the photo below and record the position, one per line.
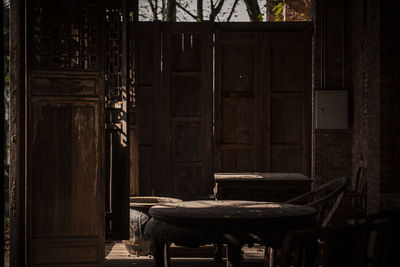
(2, 146)
(162, 182)
(307, 97)
(218, 159)
(157, 168)
(17, 133)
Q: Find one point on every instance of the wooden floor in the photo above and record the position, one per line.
(118, 256)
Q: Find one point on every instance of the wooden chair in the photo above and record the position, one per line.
(343, 246)
(372, 243)
(354, 207)
(325, 198)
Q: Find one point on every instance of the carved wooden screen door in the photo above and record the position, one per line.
(263, 98)
(65, 133)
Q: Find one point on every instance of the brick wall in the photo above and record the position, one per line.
(390, 96)
(332, 149)
(366, 95)
(356, 48)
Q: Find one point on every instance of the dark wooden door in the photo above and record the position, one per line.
(237, 101)
(287, 103)
(187, 110)
(263, 98)
(65, 133)
(174, 109)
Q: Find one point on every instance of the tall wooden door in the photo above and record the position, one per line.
(263, 98)
(287, 102)
(237, 101)
(187, 110)
(65, 133)
(174, 108)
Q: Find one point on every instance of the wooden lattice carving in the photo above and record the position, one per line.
(64, 34)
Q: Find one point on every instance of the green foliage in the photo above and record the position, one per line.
(278, 8)
(260, 17)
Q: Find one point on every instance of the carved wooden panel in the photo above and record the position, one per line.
(65, 133)
(65, 34)
(58, 85)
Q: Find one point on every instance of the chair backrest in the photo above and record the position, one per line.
(360, 197)
(361, 181)
(325, 198)
(342, 246)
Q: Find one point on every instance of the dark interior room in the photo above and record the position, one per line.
(200, 133)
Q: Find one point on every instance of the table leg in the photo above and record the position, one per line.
(234, 256)
(272, 257)
(160, 252)
(217, 251)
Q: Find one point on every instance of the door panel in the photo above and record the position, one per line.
(288, 106)
(186, 110)
(237, 102)
(263, 99)
(65, 133)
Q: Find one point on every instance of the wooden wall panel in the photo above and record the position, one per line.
(238, 121)
(66, 178)
(147, 86)
(287, 120)
(262, 103)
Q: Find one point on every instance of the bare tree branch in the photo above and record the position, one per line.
(215, 9)
(163, 9)
(232, 10)
(200, 10)
(153, 9)
(171, 10)
(187, 11)
(253, 9)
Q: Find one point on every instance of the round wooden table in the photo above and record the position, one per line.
(231, 222)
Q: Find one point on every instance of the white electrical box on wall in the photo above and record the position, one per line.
(331, 109)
